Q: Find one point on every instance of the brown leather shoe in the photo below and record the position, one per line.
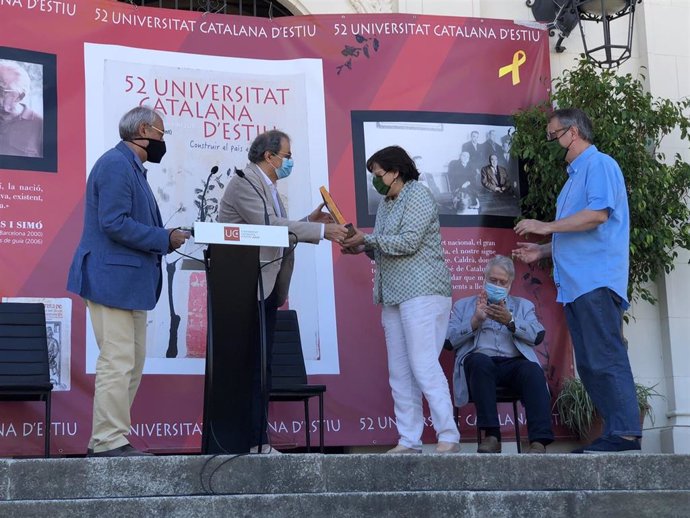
(489, 445)
(536, 447)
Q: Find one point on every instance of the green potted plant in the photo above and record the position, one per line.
(578, 414)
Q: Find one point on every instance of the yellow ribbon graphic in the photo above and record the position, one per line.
(519, 58)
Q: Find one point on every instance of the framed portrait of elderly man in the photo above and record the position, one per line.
(28, 110)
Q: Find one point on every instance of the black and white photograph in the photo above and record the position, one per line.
(463, 159)
(54, 346)
(28, 104)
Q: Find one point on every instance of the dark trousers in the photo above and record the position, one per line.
(595, 321)
(260, 407)
(523, 377)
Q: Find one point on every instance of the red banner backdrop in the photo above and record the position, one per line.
(342, 87)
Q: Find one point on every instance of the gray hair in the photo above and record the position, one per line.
(502, 262)
(574, 117)
(267, 141)
(16, 75)
(130, 121)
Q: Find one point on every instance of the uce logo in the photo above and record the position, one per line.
(232, 233)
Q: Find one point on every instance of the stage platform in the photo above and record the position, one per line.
(313, 485)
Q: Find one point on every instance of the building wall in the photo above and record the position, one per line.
(664, 43)
(658, 335)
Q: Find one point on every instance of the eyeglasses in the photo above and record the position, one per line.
(553, 135)
(9, 94)
(380, 173)
(159, 131)
(286, 155)
(503, 282)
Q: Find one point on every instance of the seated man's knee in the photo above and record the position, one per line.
(478, 362)
(531, 373)
(534, 369)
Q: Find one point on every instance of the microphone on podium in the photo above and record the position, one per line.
(241, 174)
(202, 205)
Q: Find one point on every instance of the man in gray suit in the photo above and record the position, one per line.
(270, 159)
(493, 335)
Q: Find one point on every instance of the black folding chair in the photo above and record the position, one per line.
(289, 376)
(24, 370)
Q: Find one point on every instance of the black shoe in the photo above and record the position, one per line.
(611, 444)
(123, 451)
(594, 443)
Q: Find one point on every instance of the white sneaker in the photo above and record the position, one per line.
(265, 449)
(447, 447)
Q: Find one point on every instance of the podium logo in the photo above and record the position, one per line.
(232, 233)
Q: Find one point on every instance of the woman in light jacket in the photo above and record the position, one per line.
(413, 285)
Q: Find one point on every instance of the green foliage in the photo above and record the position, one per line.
(629, 124)
(575, 407)
(577, 411)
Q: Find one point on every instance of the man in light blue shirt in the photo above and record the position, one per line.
(590, 246)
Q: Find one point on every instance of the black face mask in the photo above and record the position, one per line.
(155, 150)
(557, 150)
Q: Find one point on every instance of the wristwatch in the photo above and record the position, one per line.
(511, 325)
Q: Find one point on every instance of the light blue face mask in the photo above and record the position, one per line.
(284, 170)
(495, 294)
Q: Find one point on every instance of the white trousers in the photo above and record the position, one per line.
(415, 331)
(121, 338)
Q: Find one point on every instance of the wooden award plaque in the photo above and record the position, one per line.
(335, 212)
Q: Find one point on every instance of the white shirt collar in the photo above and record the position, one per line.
(265, 176)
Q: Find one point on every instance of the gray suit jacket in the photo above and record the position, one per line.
(528, 333)
(240, 204)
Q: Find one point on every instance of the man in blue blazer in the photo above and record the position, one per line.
(117, 271)
(493, 335)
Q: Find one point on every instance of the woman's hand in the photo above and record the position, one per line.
(352, 251)
(355, 240)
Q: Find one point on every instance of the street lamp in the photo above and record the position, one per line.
(562, 16)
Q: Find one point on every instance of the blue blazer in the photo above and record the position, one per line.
(528, 333)
(118, 260)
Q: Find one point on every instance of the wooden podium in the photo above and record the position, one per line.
(232, 273)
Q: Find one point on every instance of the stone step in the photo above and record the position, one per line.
(427, 504)
(303, 474)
